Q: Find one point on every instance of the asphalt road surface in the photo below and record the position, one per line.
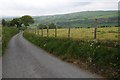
(24, 60)
(0, 67)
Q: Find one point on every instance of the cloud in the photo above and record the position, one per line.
(49, 7)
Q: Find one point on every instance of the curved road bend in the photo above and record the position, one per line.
(24, 60)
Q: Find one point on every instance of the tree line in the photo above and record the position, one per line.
(50, 26)
(23, 21)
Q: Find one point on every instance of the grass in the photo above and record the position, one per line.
(7, 33)
(100, 57)
(110, 33)
(0, 40)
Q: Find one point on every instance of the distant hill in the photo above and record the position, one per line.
(80, 19)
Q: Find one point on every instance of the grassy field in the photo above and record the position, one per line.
(109, 33)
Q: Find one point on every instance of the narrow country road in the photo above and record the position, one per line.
(0, 67)
(24, 60)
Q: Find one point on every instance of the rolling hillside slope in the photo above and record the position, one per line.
(80, 19)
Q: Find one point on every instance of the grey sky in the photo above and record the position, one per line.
(51, 7)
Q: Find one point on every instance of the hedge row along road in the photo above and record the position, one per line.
(24, 60)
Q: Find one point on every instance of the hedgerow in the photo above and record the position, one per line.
(7, 33)
(98, 56)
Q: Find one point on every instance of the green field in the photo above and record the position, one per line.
(109, 33)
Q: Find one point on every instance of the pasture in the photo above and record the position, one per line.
(108, 33)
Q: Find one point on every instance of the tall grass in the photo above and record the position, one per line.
(7, 33)
(100, 56)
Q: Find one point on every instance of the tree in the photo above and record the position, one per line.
(21, 22)
(3, 22)
(27, 20)
(16, 22)
(52, 26)
(40, 26)
(8, 23)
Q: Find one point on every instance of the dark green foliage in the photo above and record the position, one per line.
(19, 22)
(26, 20)
(40, 26)
(3, 22)
(52, 26)
(101, 55)
(16, 22)
(7, 33)
(23, 28)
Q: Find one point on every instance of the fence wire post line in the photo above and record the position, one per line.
(47, 31)
(69, 32)
(38, 31)
(42, 32)
(95, 30)
(56, 31)
(34, 31)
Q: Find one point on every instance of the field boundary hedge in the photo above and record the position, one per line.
(7, 34)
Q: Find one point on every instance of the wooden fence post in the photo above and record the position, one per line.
(95, 30)
(34, 31)
(37, 31)
(56, 31)
(47, 31)
(69, 32)
(42, 31)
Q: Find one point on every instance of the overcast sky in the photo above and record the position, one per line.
(51, 7)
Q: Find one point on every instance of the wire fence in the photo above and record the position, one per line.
(81, 33)
(106, 33)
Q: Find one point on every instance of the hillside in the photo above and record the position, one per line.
(80, 19)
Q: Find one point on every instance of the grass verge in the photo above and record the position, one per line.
(0, 41)
(7, 33)
(99, 57)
